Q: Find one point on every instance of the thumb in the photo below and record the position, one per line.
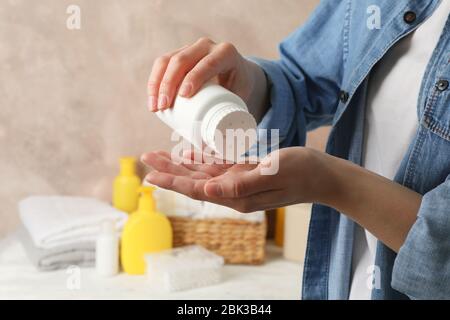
(237, 185)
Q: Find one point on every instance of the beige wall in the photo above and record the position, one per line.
(73, 102)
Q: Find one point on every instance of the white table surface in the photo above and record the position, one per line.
(19, 279)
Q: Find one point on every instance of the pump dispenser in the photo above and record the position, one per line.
(146, 231)
(126, 184)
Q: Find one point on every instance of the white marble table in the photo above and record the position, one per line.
(276, 279)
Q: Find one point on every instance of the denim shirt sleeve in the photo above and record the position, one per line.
(422, 267)
(305, 82)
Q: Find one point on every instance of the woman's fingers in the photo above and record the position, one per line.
(180, 64)
(187, 69)
(196, 157)
(185, 185)
(156, 75)
(221, 59)
(238, 184)
(195, 166)
(193, 188)
(200, 162)
(162, 162)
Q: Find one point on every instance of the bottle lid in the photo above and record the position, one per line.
(229, 130)
(127, 165)
(108, 226)
(146, 202)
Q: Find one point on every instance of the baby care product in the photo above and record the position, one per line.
(146, 231)
(213, 118)
(126, 184)
(107, 250)
(183, 268)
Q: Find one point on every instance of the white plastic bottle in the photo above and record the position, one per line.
(209, 118)
(107, 250)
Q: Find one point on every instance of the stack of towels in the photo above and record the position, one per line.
(59, 231)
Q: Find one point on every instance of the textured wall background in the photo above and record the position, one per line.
(72, 102)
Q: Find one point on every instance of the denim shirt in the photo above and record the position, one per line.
(321, 79)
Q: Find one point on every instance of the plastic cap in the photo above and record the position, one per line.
(229, 129)
(146, 202)
(108, 226)
(127, 165)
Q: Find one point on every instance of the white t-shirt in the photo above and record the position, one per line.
(390, 124)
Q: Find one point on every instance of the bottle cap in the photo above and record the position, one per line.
(127, 165)
(229, 129)
(108, 226)
(146, 202)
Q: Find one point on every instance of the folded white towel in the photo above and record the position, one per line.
(59, 220)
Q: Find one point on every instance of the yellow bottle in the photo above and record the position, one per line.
(126, 184)
(146, 231)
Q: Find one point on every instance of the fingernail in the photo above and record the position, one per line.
(216, 189)
(163, 101)
(152, 103)
(148, 178)
(185, 90)
(143, 158)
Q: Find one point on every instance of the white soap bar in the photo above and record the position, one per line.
(183, 268)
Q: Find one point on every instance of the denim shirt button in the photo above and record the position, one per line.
(409, 17)
(343, 96)
(442, 85)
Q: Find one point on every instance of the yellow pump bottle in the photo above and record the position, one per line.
(126, 184)
(146, 231)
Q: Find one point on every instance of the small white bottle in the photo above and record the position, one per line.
(206, 118)
(107, 250)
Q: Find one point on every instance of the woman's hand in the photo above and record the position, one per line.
(244, 187)
(385, 208)
(185, 70)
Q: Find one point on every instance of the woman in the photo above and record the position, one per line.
(382, 190)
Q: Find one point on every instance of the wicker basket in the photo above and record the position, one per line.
(238, 241)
